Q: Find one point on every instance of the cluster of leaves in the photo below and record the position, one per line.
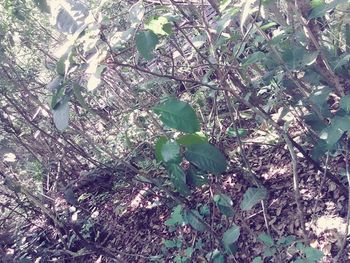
(181, 116)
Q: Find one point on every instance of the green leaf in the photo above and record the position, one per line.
(188, 252)
(42, 5)
(192, 218)
(343, 60)
(230, 237)
(17, 12)
(172, 243)
(319, 150)
(159, 25)
(178, 115)
(320, 8)
(268, 25)
(286, 241)
(204, 210)
(206, 157)
(253, 196)
(298, 57)
(57, 96)
(195, 177)
(224, 204)
(215, 257)
(232, 132)
(253, 58)
(332, 133)
(146, 42)
(266, 239)
(159, 145)
(170, 152)
(178, 178)
(269, 252)
(344, 103)
(315, 123)
(60, 66)
(176, 217)
(77, 90)
(189, 139)
(61, 115)
(257, 260)
(313, 254)
(319, 96)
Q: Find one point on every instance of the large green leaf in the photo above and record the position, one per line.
(57, 96)
(332, 133)
(178, 115)
(170, 152)
(266, 239)
(313, 254)
(224, 204)
(206, 157)
(298, 57)
(257, 260)
(189, 139)
(320, 95)
(315, 122)
(146, 41)
(61, 115)
(253, 196)
(319, 150)
(178, 178)
(159, 145)
(344, 104)
(195, 177)
(176, 217)
(230, 236)
(192, 218)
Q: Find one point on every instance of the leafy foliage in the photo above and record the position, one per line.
(146, 42)
(230, 237)
(114, 112)
(178, 115)
(206, 157)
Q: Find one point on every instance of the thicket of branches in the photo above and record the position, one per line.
(97, 97)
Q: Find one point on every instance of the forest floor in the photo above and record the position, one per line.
(135, 216)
